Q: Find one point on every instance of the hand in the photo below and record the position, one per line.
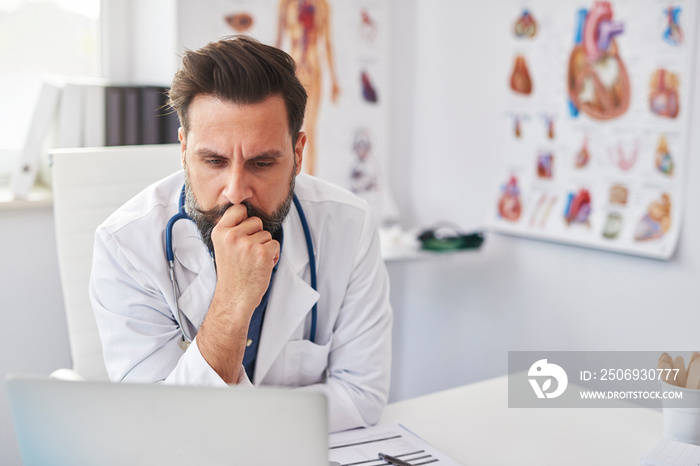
(335, 91)
(245, 256)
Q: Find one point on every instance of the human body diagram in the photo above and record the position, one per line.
(307, 24)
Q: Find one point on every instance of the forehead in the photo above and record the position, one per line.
(211, 117)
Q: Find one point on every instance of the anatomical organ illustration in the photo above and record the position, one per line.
(656, 222)
(520, 80)
(240, 22)
(369, 93)
(598, 82)
(663, 93)
(578, 208)
(582, 156)
(365, 174)
(545, 165)
(663, 159)
(525, 26)
(673, 33)
(509, 206)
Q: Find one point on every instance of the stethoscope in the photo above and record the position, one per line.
(182, 214)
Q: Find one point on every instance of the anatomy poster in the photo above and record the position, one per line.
(596, 122)
(342, 53)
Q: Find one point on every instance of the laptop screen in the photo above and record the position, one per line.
(73, 423)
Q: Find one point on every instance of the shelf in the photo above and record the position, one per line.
(413, 254)
(39, 197)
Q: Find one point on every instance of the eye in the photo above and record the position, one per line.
(261, 165)
(214, 162)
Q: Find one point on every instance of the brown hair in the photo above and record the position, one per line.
(241, 70)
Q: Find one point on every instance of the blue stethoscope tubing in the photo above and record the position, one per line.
(312, 264)
(170, 255)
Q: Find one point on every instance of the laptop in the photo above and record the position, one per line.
(63, 422)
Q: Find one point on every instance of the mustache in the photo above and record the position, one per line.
(213, 215)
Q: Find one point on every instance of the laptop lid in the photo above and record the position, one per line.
(62, 422)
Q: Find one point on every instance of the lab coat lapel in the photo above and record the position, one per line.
(291, 298)
(192, 254)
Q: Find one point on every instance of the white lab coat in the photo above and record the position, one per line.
(131, 294)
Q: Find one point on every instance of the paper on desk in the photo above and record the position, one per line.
(671, 453)
(363, 445)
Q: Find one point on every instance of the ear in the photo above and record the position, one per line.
(299, 150)
(183, 145)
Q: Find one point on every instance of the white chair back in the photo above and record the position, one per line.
(88, 185)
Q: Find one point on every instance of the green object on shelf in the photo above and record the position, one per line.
(439, 240)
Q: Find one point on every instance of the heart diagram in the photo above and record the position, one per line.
(598, 83)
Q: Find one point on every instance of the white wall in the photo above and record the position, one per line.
(33, 335)
(139, 41)
(459, 319)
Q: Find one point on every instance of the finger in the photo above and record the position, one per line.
(271, 248)
(276, 258)
(261, 237)
(274, 246)
(267, 252)
(250, 226)
(233, 216)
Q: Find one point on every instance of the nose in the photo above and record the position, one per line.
(238, 187)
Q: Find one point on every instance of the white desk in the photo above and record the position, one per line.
(474, 426)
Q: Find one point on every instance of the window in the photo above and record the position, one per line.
(41, 38)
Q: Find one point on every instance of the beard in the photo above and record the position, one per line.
(206, 220)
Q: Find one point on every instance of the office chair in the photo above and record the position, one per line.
(88, 185)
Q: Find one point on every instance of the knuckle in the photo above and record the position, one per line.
(216, 233)
(230, 236)
(246, 244)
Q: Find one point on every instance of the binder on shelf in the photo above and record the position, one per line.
(36, 142)
(151, 119)
(89, 112)
(132, 117)
(115, 116)
(171, 124)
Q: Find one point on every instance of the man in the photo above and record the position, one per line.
(242, 266)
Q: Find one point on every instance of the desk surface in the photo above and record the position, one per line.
(474, 426)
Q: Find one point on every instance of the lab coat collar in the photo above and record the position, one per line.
(189, 248)
(193, 255)
(296, 253)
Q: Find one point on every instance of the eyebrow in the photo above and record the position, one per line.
(270, 154)
(204, 152)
